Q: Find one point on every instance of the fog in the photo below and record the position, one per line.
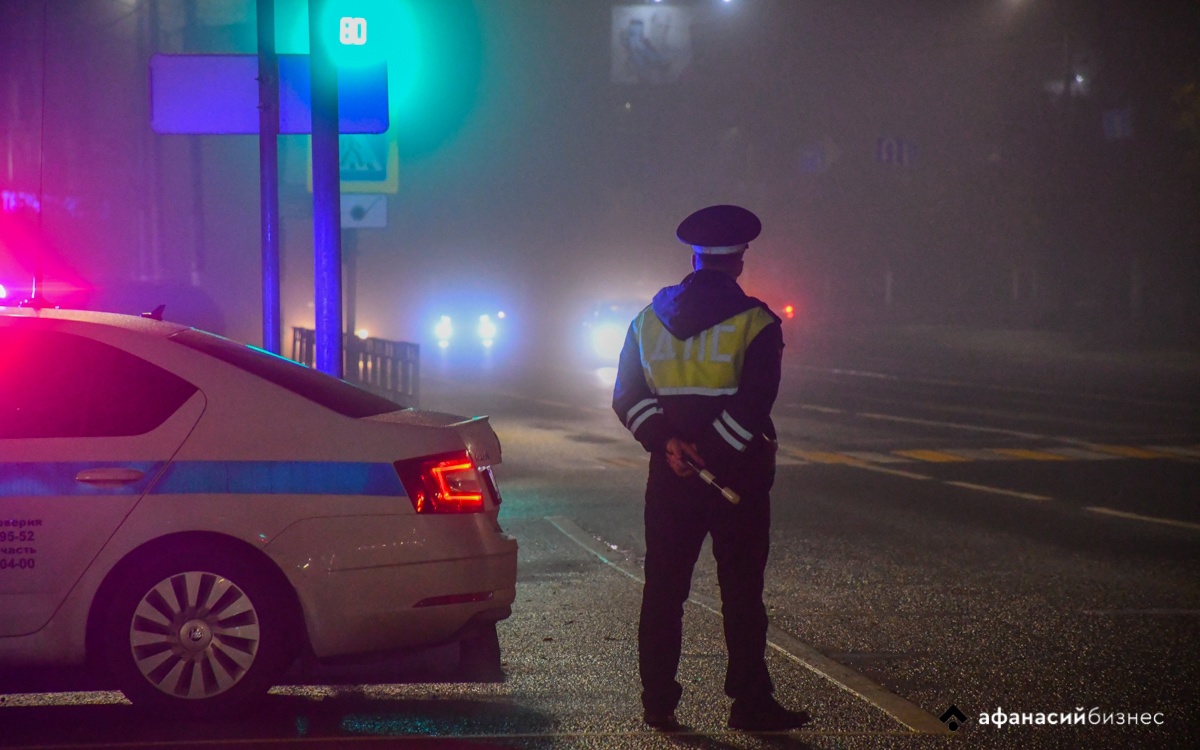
(1000, 163)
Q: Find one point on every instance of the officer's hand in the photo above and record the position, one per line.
(677, 451)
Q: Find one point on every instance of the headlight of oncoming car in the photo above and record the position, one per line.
(486, 330)
(607, 340)
(444, 331)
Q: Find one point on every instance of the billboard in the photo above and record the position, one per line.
(650, 43)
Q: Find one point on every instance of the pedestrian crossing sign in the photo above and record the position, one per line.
(367, 164)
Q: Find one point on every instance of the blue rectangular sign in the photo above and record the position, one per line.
(218, 94)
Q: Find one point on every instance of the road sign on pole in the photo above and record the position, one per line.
(364, 211)
(219, 95)
(368, 164)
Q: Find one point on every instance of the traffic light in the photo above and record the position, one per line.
(434, 55)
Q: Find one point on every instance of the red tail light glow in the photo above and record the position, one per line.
(443, 483)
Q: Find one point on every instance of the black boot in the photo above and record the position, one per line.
(765, 715)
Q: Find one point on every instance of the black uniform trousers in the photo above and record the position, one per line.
(680, 513)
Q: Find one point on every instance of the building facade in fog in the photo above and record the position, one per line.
(990, 162)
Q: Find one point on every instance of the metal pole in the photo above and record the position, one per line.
(196, 157)
(350, 285)
(268, 174)
(327, 239)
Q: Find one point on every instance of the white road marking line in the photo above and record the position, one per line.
(814, 407)
(960, 426)
(1151, 519)
(991, 387)
(1162, 612)
(998, 491)
(912, 475)
(885, 470)
(907, 713)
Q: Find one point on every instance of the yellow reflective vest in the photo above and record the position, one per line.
(707, 364)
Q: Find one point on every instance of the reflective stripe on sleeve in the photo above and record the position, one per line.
(733, 425)
(736, 444)
(645, 415)
(629, 415)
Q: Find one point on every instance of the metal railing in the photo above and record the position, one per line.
(389, 367)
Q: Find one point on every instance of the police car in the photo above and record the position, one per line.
(194, 514)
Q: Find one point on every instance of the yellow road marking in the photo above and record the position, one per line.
(937, 457)
(823, 457)
(1029, 455)
(1129, 451)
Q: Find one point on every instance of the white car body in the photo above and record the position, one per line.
(243, 461)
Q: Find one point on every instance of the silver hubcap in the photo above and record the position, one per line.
(194, 635)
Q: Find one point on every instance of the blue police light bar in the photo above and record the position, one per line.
(218, 95)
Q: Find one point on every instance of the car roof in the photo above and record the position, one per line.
(134, 323)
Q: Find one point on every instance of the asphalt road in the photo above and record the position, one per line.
(1016, 533)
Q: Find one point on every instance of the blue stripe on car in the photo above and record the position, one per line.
(212, 477)
(278, 478)
(40, 479)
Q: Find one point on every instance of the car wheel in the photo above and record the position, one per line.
(479, 656)
(198, 633)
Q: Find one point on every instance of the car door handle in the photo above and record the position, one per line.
(110, 476)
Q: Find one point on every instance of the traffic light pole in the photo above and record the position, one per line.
(327, 239)
(268, 174)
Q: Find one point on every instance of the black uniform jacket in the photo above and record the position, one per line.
(727, 426)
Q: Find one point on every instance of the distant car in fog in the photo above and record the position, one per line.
(604, 329)
(465, 327)
(194, 513)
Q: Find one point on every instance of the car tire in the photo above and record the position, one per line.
(479, 656)
(197, 632)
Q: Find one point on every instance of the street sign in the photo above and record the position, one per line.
(367, 163)
(895, 151)
(362, 157)
(364, 211)
(218, 94)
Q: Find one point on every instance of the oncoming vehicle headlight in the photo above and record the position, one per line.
(444, 331)
(486, 330)
(607, 340)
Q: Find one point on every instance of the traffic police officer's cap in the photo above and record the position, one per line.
(719, 230)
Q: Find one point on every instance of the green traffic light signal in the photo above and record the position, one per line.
(433, 50)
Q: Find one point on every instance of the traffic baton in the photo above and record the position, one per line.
(733, 497)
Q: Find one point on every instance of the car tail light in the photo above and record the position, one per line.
(444, 483)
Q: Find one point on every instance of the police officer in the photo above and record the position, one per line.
(698, 375)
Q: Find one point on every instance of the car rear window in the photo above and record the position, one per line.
(61, 385)
(314, 385)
